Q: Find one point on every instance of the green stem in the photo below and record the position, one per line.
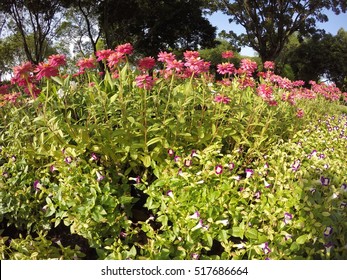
(169, 96)
(144, 115)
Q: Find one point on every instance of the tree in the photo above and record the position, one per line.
(36, 18)
(11, 55)
(80, 28)
(156, 25)
(323, 56)
(269, 23)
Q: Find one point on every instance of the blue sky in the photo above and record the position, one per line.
(221, 21)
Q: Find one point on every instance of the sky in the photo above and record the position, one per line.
(221, 21)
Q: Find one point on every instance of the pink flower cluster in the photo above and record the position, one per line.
(28, 76)
(329, 91)
(266, 92)
(192, 65)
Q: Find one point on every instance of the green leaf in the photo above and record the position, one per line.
(113, 98)
(294, 246)
(252, 233)
(153, 141)
(209, 240)
(237, 232)
(131, 120)
(301, 239)
(146, 159)
(58, 80)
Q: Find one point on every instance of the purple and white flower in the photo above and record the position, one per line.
(328, 231)
(231, 166)
(257, 194)
(296, 165)
(68, 160)
(169, 193)
(267, 185)
(171, 152)
(52, 168)
(249, 173)
(325, 181)
(287, 237)
(344, 187)
(37, 185)
(94, 157)
(328, 246)
(196, 215)
(218, 169)
(177, 158)
(99, 176)
(193, 153)
(287, 218)
(198, 226)
(266, 248)
(187, 162)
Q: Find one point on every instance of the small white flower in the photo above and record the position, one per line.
(196, 215)
(223, 222)
(73, 85)
(60, 93)
(335, 195)
(239, 246)
(199, 225)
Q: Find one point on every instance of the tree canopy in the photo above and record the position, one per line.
(269, 23)
(156, 25)
(36, 19)
(322, 56)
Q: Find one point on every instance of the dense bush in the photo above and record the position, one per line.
(157, 160)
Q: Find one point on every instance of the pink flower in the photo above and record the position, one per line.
(300, 113)
(248, 66)
(47, 70)
(228, 54)
(226, 68)
(4, 89)
(221, 99)
(197, 65)
(165, 57)
(115, 75)
(191, 54)
(176, 65)
(114, 58)
(57, 60)
(125, 49)
(103, 54)
(22, 71)
(269, 65)
(146, 63)
(86, 63)
(144, 81)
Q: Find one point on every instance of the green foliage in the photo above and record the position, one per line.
(171, 172)
(329, 64)
(269, 24)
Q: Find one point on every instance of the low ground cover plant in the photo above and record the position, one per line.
(156, 159)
